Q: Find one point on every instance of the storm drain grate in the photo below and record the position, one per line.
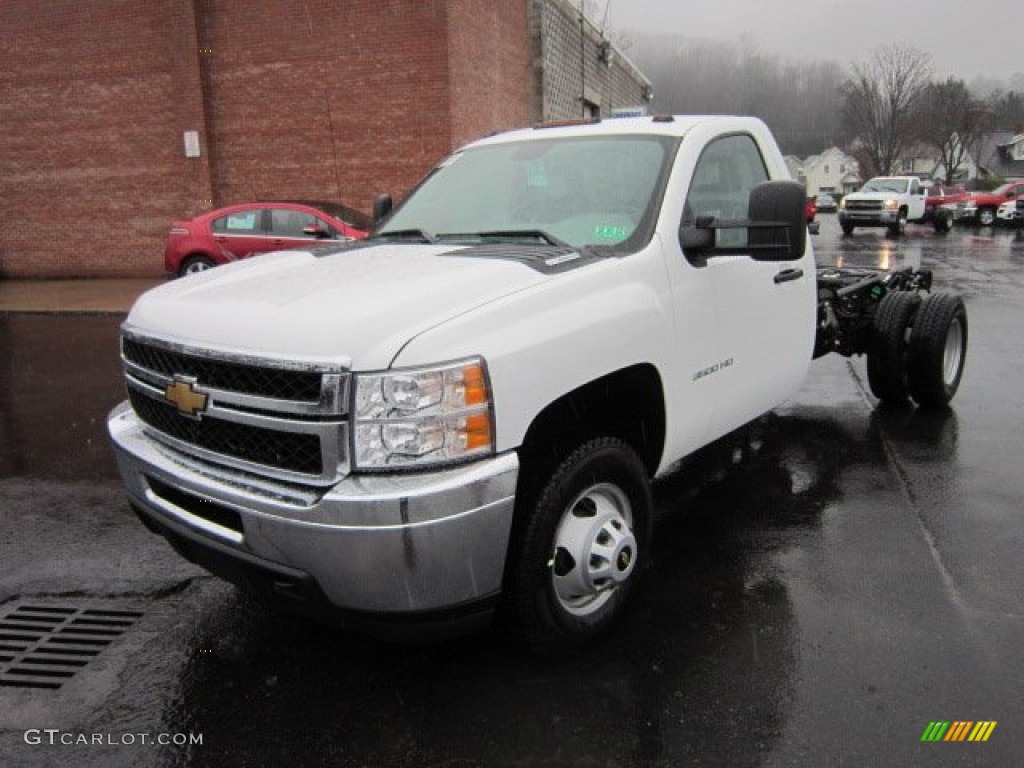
(41, 646)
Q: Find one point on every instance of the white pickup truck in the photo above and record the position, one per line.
(465, 411)
(892, 202)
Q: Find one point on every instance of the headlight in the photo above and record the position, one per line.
(892, 204)
(422, 416)
(842, 204)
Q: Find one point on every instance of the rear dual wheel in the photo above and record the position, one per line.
(887, 354)
(938, 350)
(918, 348)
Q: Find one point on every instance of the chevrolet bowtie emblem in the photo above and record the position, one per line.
(182, 393)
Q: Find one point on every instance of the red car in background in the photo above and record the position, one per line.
(810, 211)
(980, 207)
(239, 231)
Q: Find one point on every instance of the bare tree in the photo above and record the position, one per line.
(880, 100)
(798, 99)
(1007, 110)
(951, 121)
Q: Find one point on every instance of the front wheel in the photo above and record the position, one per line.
(937, 350)
(987, 217)
(581, 548)
(899, 226)
(847, 229)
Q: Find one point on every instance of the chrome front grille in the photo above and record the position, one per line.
(221, 374)
(863, 205)
(284, 450)
(281, 420)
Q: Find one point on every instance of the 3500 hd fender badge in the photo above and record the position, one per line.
(184, 395)
(712, 369)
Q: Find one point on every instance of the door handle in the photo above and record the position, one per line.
(788, 274)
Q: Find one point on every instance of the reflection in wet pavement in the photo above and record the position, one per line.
(825, 582)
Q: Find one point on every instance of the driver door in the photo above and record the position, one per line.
(918, 198)
(763, 313)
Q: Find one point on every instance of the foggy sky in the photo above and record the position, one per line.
(965, 39)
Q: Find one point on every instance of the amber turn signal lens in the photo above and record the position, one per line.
(478, 431)
(475, 384)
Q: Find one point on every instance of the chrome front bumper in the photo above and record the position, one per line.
(869, 218)
(384, 544)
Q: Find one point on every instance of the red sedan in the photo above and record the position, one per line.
(239, 231)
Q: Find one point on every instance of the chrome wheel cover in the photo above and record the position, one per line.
(595, 550)
(952, 354)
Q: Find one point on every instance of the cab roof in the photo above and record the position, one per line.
(655, 125)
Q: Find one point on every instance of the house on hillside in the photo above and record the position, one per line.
(1001, 155)
(832, 171)
(924, 160)
(796, 168)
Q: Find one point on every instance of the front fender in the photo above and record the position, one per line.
(552, 338)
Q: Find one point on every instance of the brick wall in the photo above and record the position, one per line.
(489, 67)
(306, 99)
(94, 95)
(340, 102)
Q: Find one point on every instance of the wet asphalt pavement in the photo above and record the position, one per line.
(826, 584)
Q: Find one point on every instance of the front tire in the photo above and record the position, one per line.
(987, 217)
(900, 225)
(581, 547)
(847, 229)
(937, 351)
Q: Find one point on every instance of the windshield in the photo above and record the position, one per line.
(882, 184)
(579, 191)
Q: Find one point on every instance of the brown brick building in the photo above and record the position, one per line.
(309, 99)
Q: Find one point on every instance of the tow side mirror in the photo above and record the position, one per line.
(698, 236)
(776, 227)
(381, 208)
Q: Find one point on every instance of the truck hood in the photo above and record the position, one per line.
(984, 198)
(354, 307)
(872, 195)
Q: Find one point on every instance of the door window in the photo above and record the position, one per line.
(727, 170)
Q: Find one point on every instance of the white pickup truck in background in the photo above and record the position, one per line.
(892, 202)
(464, 412)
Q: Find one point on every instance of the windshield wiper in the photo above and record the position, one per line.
(508, 234)
(408, 234)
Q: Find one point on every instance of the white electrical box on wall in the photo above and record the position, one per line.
(191, 143)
